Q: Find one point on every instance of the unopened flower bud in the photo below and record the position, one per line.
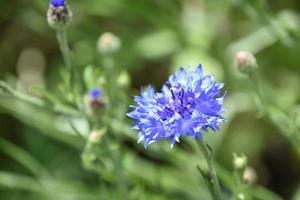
(123, 79)
(239, 162)
(246, 62)
(95, 136)
(94, 101)
(249, 175)
(59, 14)
(241, 196)
(108, 43)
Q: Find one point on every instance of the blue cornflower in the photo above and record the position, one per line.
(57, 3)
(188, 104)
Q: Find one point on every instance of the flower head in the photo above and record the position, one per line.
(188, 104)
(59, 14)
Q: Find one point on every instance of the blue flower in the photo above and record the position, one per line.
(95, 93)
(57, 3)
(188, 104)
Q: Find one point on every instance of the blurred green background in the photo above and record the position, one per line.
(41, 158)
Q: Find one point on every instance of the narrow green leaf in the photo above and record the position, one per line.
(207, 179)
(20, 182)
(24, 158)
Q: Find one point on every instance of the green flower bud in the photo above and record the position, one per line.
(241, 196)
(123, 79)
(108, 43)
(96, 136)
(246, 62)
(239, 162)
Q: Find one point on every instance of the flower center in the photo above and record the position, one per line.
(182, 103)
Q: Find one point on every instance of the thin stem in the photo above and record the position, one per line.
(76, 92)
(238, 182)
(64, 47)
(110, 71)
(65, 50)
(118, 170)
(257, 86)
(212, 172)
(291, 134)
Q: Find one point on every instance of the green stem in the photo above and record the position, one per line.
(65, 50)
(110, 71)
(292, 135)
(74, 83)
(257, 86)
(212, 172)
(118, 170)
(64, 47)
(238, 182)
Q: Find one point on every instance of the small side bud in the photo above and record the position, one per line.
(249, 176)
(108, 43)
(94, 101)
(123, 79)
(96, 136)
(241, 196)
(59, 14)
(239, 162)
(246, 62)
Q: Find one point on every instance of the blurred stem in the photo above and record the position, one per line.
(74, 79)
(65, 50)
(238, 182)
(109, 66)
(8, 90)
(254, 78)
(212, 172)
(89, 156)
(122, 185)
(291, 133)
(118, 169)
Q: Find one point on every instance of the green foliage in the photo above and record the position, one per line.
(45, 124)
